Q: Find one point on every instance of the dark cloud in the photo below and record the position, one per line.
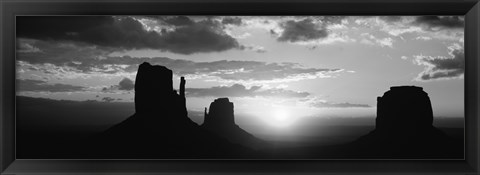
(330, 20)
(448, 22)
(441, 74)
(128, 33)
(25, 47)
(205, 36)
(43, 86)
(58, 27)
(431, 22)
(124, 85)
(441, 67)
(232, 20)
(304, 30)
(71, 54)
(91, 60)
(108, 99)
(99, 30)
(238, 90)
(391, 18)
(338, 105)
(179, 21)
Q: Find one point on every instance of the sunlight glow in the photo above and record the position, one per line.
(280, 118)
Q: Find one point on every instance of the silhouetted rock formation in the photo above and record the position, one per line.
(160, 127)
(220, 114)
(404, 107)
(404, 129)
(220, 120)
(152, 84)
(154, 94)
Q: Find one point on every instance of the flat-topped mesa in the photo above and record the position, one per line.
(404, 129)
(154, 92)
(404, 108)
(220, 113)
(153, 84)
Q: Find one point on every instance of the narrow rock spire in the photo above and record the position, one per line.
(205, 115)
(182, 87)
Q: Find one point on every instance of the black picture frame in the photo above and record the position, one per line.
(9, 9)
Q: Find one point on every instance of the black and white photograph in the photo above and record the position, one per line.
(240, 87)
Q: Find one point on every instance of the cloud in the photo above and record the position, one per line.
(258, 49)
(331, 20)
(441, 22)
(438, 27)
(27, 47)
(71, 58)
(398, 31)
(79, 56)
(124, 85)
(372, 40)
(426, 22)
(43, 86)
(330, 39)
(205, 36)
(424, 38)
(238, 90)
(304, 30)
(108, 99)
(385, 42)
(310, 31)
(442, 67)
(316, 102)
(179, 21)
(129, 33)
(252, 70)
(232, 21)
(165, 21)
(428, 27)
(320, 104)
(122, 32)
(391, 18)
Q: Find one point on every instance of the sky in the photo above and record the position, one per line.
(276, 68)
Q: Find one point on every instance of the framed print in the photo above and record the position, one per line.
(240, 87)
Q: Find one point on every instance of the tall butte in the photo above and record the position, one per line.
(160, 127)
(154, 94)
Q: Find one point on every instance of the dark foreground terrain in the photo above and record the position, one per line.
(59, 139)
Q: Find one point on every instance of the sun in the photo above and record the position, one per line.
(280, 118)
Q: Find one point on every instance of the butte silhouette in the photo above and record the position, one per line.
(404, 129)
(220, 120)
(160, 127)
